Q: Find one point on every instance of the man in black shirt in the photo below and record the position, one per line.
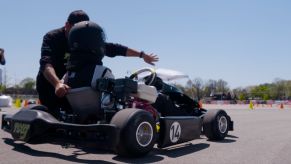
(86, 42)
(54, 53)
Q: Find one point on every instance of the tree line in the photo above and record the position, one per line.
(197, 89)
(25, 87)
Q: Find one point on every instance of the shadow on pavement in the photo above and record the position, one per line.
(231, 136)
(154, 156)
(183, 149)
(172, 152)
(150, 158)
(21, 147)
(227, 139)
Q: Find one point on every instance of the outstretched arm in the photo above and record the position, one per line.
(112, 50)
(148, 58)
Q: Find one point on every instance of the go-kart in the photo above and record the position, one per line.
(119, 115)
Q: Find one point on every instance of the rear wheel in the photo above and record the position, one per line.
(137, 132)
(216, 124)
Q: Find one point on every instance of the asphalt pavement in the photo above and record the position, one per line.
(260, 136)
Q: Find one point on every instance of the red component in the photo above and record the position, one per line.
(142, 104)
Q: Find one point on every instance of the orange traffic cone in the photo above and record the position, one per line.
(281, 106)
(25, 103)
(200, 104)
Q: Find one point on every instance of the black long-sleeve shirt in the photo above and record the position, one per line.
(55, 51)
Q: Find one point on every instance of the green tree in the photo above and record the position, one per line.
(241, 93)
(189, 90)
(2, 88)
(209, 87)
(261, 92)
(288, 89)
(197, 85)
(278, 89)
(222, 86)
(27, 83)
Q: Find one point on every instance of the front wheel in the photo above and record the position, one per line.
(216, 124)
(137, 132)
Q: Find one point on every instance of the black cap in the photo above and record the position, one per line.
(77, 16)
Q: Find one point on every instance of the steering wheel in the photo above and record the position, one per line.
(148, 80)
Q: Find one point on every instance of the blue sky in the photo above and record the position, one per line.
(244, 42)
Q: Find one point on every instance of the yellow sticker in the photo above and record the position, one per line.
(21, 129)
(67, 56)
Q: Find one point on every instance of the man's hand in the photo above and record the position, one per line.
(61, 89)
(2, 58)
(49, 73)
(1, 52)
(150, 59)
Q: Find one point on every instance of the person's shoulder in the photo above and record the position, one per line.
(56, 32)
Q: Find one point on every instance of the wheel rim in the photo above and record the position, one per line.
(144, 134)
(222, 124)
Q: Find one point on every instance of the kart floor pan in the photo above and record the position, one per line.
(30, 125)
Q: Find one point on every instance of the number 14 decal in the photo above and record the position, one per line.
(175, 132)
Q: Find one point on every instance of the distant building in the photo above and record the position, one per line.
(221, 96)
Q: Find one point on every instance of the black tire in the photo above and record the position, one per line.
(130, 121)
(216, 124)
